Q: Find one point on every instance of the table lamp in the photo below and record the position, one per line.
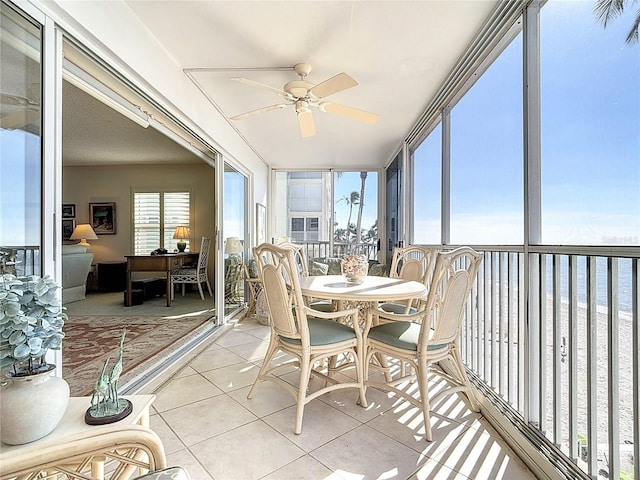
(233, 246)
(181, 233)
(83, 232)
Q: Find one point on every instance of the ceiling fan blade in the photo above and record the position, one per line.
(335, 84)
(350, 112)
(307, 127)
(261, 85)
(278, 106)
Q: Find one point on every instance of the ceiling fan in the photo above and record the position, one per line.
(303, 95)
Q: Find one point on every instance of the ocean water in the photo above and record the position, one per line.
(623, 281)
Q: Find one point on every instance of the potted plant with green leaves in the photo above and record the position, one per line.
(33, 401)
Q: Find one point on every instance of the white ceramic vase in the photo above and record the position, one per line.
(31, 406)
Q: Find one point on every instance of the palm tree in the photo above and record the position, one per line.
(351, 200)
(607, 10)
(341, 235)
(363, 180)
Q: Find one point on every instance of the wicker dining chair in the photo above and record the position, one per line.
(302, 264)
(311, 337)
(428, 339)
(413, 262)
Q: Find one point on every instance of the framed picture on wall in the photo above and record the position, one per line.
(68, 210)
(68, 226)
(103, 218)
(261, 223)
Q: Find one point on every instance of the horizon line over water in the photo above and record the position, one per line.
(624, 281)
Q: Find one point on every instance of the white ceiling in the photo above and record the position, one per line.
(95, 134)
(399, 51)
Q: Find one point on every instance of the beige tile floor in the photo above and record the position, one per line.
(209, 426)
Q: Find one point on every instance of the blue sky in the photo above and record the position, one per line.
(591, 145)
(349, 182)
(19, 188)
(234, 193)
(590, 120)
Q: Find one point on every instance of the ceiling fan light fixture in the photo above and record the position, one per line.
(298, 88)
(302, 106)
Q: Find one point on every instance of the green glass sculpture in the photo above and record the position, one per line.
(106, 407)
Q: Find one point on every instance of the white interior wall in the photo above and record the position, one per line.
(118, 37)
(84, 185)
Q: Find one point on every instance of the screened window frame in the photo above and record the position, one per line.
(442, 116)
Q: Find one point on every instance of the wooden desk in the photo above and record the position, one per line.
(157, 263)
(77, 447)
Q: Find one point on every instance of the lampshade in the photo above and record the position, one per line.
(181, 233)
(233, 245)
(83, 232)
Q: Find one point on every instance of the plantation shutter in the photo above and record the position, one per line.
(155, 217)
(176, 212)
(146, 223)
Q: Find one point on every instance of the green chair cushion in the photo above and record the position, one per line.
(318, 268)
(322, 306)
(378, 270)
(397, 308)
(400, 334)
(334, 264)
(324, 332)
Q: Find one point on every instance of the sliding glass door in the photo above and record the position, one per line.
(20, 144)
(234, 235)
(394, 209)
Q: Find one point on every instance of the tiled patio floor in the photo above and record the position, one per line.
(207, 425)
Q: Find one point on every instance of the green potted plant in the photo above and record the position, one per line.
(31, 319)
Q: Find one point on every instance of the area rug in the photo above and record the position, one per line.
(90, 339)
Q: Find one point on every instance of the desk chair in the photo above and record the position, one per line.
(197, 275)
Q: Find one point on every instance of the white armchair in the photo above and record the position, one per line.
(76, 265)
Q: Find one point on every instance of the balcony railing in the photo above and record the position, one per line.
(20, 261)
(324, 249)
(553, 336)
